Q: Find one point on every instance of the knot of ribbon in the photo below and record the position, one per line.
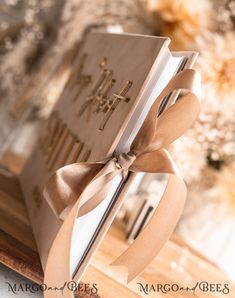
(76, 189)
(125, 160)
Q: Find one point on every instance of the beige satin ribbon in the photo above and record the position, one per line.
(76, 189)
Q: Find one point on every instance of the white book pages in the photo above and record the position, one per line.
(86, 225)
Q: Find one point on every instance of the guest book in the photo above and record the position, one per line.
(115, 81)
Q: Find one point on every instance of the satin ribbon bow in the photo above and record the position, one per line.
(76, 189)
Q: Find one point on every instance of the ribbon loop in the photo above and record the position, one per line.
(157, 133)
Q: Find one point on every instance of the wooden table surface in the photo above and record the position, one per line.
(176, 264)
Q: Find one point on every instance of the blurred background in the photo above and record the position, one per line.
(38, 41)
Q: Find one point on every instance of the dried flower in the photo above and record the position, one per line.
(189, 156)
(213, 135)
(217, 63)
(206, 209)
(225, 15)
(183, 20)
(224, 189)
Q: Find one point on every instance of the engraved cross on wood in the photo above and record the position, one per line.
(99, 100)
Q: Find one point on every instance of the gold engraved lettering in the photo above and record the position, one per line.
(52, 125)
(102, 97)
(69, 147)
(55, 142)
(113, 102)
(99, 99)
(85, 156)
(78, 79)
(54, 139)
(58, 147)
(76, 74)
(77, 151)
(83, 81)
(99, 93)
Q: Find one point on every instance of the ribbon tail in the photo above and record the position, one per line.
(57, 269)
(157, 231)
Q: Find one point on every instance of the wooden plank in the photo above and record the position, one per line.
(13, 162)
(17, 246)
(19, 257)
(14, 219)
(107, 286)
(194, 267)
